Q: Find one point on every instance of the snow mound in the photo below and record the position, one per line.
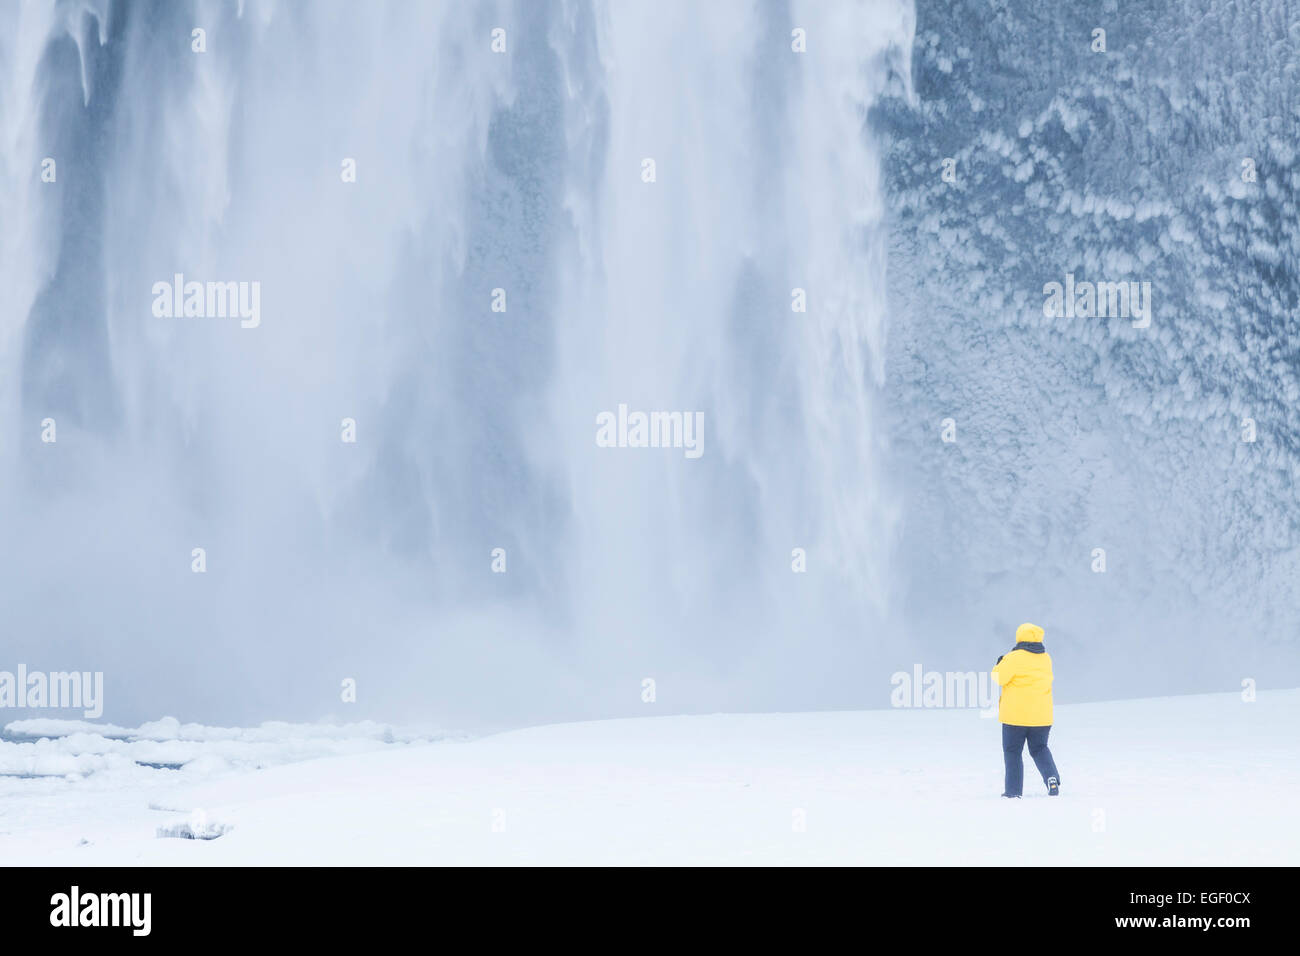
(197, 827)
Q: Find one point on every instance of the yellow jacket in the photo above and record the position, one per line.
(1025, 677)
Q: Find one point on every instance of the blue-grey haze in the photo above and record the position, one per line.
(523, 171)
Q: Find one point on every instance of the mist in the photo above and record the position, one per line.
(469, 245)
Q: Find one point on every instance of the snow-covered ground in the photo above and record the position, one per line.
(1204, 779)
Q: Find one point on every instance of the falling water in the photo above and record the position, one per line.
(476, 171)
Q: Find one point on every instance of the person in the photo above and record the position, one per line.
(1025, 709)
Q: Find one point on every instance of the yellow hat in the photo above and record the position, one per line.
(1029, 632)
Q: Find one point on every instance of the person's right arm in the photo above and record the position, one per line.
(1003, 671)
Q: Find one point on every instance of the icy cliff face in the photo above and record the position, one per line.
(1073, 434)
(475, 231)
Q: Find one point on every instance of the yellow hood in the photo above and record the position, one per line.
(1029, 632)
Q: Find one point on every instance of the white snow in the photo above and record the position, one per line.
(1206, 779)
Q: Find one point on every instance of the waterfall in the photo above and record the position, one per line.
(503, 270)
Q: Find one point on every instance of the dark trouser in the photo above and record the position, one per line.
(1013, 743)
